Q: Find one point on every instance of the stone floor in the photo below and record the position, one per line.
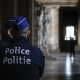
(63, 68)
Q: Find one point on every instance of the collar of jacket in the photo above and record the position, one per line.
(20, 38)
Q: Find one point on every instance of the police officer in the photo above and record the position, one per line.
(22, 61)
(5, 40)
(7, 28)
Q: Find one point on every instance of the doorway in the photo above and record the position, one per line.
(68, 28)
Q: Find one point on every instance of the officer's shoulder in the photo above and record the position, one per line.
(36, 49)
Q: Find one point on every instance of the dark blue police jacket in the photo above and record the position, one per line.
(4, 41)
(22, 61)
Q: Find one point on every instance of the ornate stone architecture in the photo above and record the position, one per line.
(54, 40)
(42, 23)
(41, 27)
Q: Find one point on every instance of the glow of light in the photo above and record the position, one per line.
(72, 59)
(74, 37)
(72, 31)
(69, 32)
(68, 66)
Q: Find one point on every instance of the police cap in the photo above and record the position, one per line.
(20, 23)
(8, 22)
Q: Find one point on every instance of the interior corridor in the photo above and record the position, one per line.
(63, 68)
(48, 20)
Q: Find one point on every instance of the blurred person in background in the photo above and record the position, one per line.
(72, 45)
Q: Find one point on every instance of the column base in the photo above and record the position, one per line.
(46, 53)
(53, 48)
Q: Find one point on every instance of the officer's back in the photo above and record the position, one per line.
(20, 60)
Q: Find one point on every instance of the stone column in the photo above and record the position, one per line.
(78, 27)
(31, 21)
(53, 34)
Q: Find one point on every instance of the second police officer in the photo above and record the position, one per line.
(5, 40)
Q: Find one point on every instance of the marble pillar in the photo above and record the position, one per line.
(53, 32)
